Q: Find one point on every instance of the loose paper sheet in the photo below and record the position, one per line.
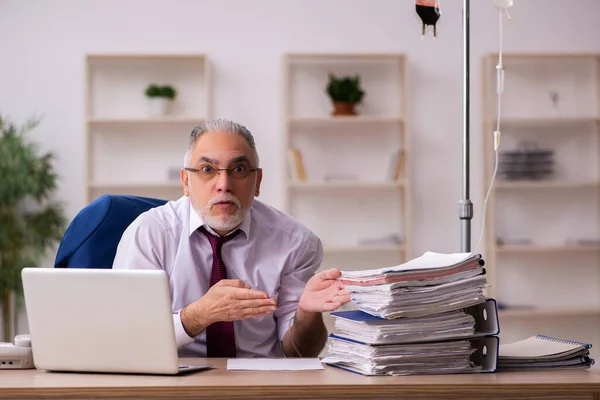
(274, 364)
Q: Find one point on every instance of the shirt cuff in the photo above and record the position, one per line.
(181, 337)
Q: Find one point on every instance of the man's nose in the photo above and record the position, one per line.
(223, 181)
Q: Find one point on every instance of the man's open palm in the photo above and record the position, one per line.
(323, 292)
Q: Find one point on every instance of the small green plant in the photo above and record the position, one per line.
(165, 91)
(345, 89)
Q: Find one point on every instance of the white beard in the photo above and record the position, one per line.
(223, 222)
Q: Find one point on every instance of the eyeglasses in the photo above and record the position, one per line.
(208, 172)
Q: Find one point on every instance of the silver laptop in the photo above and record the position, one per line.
(102, 320)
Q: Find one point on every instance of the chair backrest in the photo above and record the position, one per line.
(92, 238)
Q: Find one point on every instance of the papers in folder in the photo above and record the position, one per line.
(476, 321)
(403, 359)
(426, 316)
(431, 284)
(365, 328)
(437, 263)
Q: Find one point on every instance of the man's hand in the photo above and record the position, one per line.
(308, 334)
(323, 292)
(227, 300)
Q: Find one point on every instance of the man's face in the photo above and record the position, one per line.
(222, 199)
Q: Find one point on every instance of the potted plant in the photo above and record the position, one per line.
(345, 93)
(161, 98)
(30, 222)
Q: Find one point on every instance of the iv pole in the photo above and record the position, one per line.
(465, 206)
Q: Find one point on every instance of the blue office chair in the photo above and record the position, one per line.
(91, 239)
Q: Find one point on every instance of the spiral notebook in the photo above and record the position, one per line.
(544, 352)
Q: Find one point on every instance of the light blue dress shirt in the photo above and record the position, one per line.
(273, 253)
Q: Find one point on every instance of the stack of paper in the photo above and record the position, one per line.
(541, 352)
(365, 328)
(427, 358)
(419, 317)
(430, 284)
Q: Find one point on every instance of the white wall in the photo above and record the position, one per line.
(43, 43)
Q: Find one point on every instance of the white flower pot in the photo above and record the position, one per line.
(159, 106)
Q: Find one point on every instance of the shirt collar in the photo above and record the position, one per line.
(196, 222)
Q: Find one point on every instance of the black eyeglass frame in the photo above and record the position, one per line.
(229, 170)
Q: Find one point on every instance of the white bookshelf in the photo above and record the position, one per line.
(348, 196)
(128, 150)
(541, 257)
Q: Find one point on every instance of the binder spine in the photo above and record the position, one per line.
(486, 354)
(571, 342)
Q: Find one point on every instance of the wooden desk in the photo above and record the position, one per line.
(330, 383)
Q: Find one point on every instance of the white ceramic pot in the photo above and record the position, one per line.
(159, 106)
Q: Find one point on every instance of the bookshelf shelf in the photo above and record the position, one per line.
(119, 118)
(135, 186)
(364, 249)
(549, 184)
(550, 312)
(334, 164)
(541, 249)
(145, 56)
(341, 121)
(345, 185)
(344, 58)
(145, 121)
(167, 190)
(563, 122)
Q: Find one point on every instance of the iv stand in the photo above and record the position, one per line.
(465, 206)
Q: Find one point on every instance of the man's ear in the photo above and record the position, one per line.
(258, 181)
(183, 175)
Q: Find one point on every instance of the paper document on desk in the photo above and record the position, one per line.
(274, 364)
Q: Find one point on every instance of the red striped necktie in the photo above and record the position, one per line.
(220, 336)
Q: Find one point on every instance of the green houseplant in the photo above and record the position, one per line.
(30, 223)
(161, 98)
(345, 93)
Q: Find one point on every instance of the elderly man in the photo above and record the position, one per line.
(242, 274)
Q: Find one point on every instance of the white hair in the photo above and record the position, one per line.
(219, 125)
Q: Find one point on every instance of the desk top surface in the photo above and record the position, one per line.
(333, 382)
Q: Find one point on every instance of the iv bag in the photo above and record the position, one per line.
(504, 3)
(504, 6)
(429, 12)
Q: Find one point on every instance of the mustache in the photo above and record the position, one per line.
(226, 197)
